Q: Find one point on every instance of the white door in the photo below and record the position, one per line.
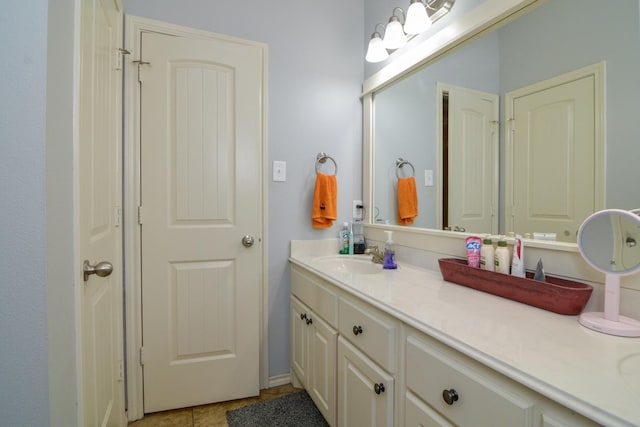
(201, 193)
(554, 157)
(100, 170)
(473, 160)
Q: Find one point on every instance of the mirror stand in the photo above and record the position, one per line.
(610, 321)
(607, 241)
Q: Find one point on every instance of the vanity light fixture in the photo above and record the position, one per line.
(376, 51)
(418, 19)
(394, 36)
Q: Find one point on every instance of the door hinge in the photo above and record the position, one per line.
(117, 220)
(119, 53)
(141, 356)
(140, 215)
(120, 370)
(140, 62)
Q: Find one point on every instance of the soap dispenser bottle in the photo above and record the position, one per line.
(389, 259)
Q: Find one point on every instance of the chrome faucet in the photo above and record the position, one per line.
(377, 256)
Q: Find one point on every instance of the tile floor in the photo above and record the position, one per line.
(213, 415)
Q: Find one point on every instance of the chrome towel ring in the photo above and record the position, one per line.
(400, 163)
(321, 158)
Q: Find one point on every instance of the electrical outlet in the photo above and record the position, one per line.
(358, 210)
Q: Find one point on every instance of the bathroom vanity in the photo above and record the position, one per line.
(403, 347)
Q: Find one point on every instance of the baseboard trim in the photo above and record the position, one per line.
(279, 380)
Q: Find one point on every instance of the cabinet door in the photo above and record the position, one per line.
(365, 391)
(300, 313)
(321, 375)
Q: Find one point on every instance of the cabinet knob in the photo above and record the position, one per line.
(378, 388)
(357, 330)
(450, 396)
(303, 316)
(309, 321)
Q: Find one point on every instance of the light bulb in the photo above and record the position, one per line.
(394, 37)
(376, 51)
(417, 18)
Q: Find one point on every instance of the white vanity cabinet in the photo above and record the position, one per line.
(367, 364)
(445, 388)
(314, 339)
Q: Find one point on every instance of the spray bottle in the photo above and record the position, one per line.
(389, 260)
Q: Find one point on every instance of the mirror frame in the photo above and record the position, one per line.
(477, 22)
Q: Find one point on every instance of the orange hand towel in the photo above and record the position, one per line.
(407, 200)
(325, 196)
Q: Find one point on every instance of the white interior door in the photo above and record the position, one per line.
(100, 170)
(201, 192)
(473, 160)
(554, 159)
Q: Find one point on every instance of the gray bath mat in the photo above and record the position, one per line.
(292, 410)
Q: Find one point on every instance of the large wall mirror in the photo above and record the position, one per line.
(473, 91)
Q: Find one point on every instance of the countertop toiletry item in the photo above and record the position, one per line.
(501, 257)
(344, 238)
(517, 263)
(350, 237)
(359, 244)
(472, 245)
(539, 275)
(487, 253)
(389, 258)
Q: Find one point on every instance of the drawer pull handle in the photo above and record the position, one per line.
(303, 316)
(357, 330)
(378, 388)
(450, 396)
(309, 321)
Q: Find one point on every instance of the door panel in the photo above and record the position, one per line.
(201, 136)
(554, 159)
(473, 159)
(99, 200)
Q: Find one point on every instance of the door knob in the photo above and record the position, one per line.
(247, 241)
(101, 269)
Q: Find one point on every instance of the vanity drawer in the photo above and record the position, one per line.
(484, 398)
(315, 293)
(371, 330)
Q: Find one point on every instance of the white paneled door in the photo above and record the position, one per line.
(555, 155)
(201, 194)
(100, 233)
(473, 160)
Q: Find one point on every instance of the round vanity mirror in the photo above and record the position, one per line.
(608, 241)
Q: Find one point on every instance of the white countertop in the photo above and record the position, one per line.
(594, 374)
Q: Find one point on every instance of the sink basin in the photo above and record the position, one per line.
(349, 265)
(629, 369)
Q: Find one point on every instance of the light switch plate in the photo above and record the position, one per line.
(428, 178)
(279, 171)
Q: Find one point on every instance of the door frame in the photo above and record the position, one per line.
(596, 70)
(134, 27)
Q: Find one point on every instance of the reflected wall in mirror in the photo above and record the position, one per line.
(556, 38)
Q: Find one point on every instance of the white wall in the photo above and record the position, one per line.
(24, 390)
(315, 77)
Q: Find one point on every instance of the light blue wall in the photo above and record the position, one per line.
(24, 388)
(315, 77)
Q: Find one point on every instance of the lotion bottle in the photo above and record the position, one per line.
(487, 254)
(501, 257)
(389, 259)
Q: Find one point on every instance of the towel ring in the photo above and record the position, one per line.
(400, 163)
(321, 158)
